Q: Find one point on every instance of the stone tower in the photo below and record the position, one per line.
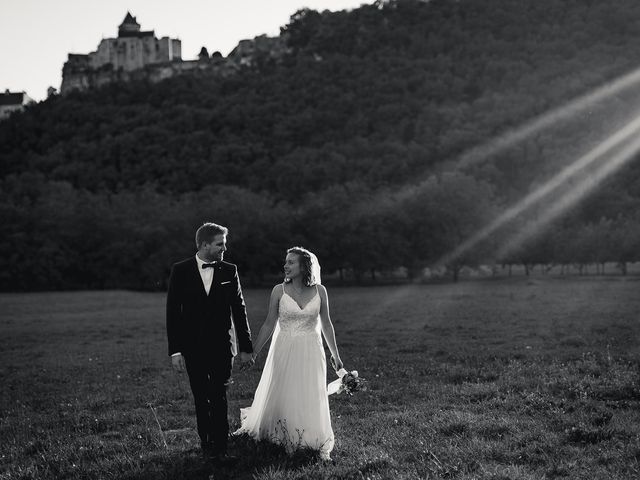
(132, 50)
(129, 26)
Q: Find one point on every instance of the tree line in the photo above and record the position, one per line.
(57, 237)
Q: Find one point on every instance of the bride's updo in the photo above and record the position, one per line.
(308, 265)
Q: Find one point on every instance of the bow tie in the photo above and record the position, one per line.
(209, 265)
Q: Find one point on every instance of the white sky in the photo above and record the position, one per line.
(37, 35)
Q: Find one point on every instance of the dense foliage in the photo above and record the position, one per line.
(352, 144)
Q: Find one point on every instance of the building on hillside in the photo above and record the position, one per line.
(132, 50)
(139, 55)
(13, 102)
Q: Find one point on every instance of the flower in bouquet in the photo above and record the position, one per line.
(349, 382)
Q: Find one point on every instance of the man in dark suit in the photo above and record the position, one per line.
(204, 293)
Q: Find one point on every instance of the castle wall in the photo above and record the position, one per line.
(103, 54)
(176, 48)
(136, 55)
(164, 49)
(132, 53)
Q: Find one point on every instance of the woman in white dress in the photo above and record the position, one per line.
(290, 406)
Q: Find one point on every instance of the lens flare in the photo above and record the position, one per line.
(578, 191)
(601, 153)
(546, 120)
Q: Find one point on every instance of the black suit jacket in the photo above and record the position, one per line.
(199, 324)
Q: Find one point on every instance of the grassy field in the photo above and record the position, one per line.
(519, 379)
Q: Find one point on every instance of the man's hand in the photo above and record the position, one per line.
(246, 360)
(177, 361)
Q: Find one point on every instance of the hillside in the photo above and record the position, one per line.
(352, 144)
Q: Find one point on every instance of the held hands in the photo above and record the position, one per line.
(247, 360)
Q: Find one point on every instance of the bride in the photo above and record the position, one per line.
(290, 406)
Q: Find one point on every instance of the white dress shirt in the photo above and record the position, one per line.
(205, 273)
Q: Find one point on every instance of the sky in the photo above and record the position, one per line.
(37, 35)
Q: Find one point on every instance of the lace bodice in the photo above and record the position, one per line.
(296, 321)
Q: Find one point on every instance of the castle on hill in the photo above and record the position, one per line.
(137, 54)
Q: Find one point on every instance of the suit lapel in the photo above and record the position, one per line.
(221, 275)
(217, 277)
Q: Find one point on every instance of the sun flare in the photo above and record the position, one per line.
(564, 189)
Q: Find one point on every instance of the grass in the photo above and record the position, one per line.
(520, 379)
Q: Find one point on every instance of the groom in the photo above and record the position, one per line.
(204, 294)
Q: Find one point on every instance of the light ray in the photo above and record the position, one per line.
(574, 195)
(547, 119)
(557, 181)
(533, 126)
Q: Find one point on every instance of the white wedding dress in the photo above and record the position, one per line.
(291, 406)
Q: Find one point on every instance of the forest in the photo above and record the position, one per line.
(389, 137)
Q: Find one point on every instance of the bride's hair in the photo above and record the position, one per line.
(309, 266)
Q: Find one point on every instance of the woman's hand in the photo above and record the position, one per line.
(337, 363)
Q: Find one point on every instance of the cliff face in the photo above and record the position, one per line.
(85, 78)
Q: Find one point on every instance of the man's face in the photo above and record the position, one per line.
(214, 251)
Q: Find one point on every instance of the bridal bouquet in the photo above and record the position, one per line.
(349, 382)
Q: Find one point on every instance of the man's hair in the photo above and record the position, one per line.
(208, 231)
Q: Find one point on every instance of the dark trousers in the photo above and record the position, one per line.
(209, 379)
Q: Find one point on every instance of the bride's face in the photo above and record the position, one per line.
(292, 266)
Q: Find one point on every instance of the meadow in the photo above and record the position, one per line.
(522, 378)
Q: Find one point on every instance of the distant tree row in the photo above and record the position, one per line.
(58, 237)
